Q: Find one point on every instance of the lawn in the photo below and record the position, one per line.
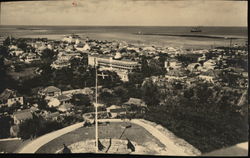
(135, 133)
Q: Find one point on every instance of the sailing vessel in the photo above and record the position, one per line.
(196, 29)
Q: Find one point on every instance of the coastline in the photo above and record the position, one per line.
(159, 36)
(196, 36)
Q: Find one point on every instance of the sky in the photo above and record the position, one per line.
(126, 13)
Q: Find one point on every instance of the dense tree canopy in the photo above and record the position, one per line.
(150, 94)
(122, 93)
(108, 79)
(188, 59)
(21, 43)
(136, 78)
(4, 52)
(36, 127)
(80, 100)
(29, 128)
(106, 98)
(201, 113)
(48, 56)
(5, 123)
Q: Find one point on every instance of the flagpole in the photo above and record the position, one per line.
(96, 121)
(0, 13)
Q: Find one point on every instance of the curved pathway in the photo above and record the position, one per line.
(171, 147)
(34, 145)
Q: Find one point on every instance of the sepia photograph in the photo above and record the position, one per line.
(124, 77)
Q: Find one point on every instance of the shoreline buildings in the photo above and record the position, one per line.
(121, 66)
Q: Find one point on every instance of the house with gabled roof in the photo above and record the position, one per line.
(9, 97)
(21, 116)
(51, 91)
(115, 111)
(64, 99)
(135, 101)
(53, 116)
(6, 94)
(65, 107)
(83, 47)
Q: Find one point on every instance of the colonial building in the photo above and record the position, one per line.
(120, 66)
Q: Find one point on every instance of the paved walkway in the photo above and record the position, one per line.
(6, 139)
(173, 149)
(34, 145)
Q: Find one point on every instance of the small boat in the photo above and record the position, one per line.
(139, 33)
(196, 29)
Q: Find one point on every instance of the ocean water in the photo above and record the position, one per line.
(149, 35)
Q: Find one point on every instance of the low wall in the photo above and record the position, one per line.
(180, 143)
(174, 145)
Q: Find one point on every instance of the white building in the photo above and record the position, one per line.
(194, 67)
(83, 47)
(133, 48)
(172, 64)
(54, 102)
(115, 111)
(171, 49)
(209, 65)
(206, 78)
(58, 64)
(121, 67)
(13, 47)
(63, 60)
(150, 49)
(51, 91)
(202, 58)
(49, 46)
(31, 57)
(65, 107)
(12, 101)
(201, 51)
(72, 39)
(16, 52)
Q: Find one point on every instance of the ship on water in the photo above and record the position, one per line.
(196, 29)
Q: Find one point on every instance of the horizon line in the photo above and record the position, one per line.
(127, 25)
